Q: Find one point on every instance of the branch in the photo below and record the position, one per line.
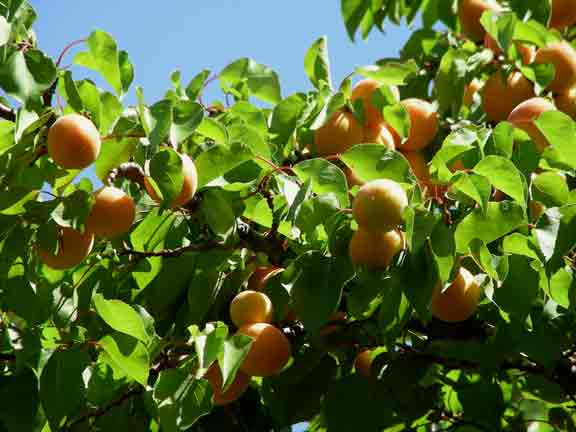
(7, 113)
(170, 253)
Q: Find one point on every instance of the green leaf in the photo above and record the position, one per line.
(161, 116)
(187, 117)
(20, 410)
(326, 178)
(166, 171)
(62, 375)
(217, 161)
(450, 81)
(317, 63)
(214, 130)
(261, 81)
(68, 89)
(560, 132)
(390, 72)
(128, 355)
(121, 317)
(218, 213)
(551, 189)
(353, 12)
(209, 344)
(500, 219)
(113, 153)
(150, 234)
(374, 161)
(234, 351)
(285, 118)
(25, 76)
(504, 176)
(563, 287)
(104, 58)
(194, 88)
(474, 186)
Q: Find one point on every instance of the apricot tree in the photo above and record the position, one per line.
(392, 252)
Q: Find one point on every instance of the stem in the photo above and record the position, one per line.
(67, 48)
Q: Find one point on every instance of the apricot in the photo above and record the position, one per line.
(526, 52)
(73, 247)
(363, 363)
(352, 179)
(470, 90)
(214, 376)
(563, 14)
(270, 350)
(379, 205)
(73, 142)
(364, 90)
(381, 134)
(112, 214)
(536, 209)
(563, 56)
(566, 102)
(375, 250)
(469, 14)
(423, 124)
(499, 98)
(523, 117)
(189, 184)
(419, 166)
(458, 302)
(261, 275)
(338, 134)
(250, 307)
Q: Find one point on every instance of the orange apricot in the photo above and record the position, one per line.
(423, 124)
(566, 102)
(419, 166)
(338, 134)
(112, 214)
(189, 184)
(379, 205)
(469, 14)
(269, 352)
(73, 142)
(526, 52)
(214, 376)
(380, 134)
(250, 307)
(563, 56)
(364, 90)
(261, 275)
(73, 247)
(458, 302)
(500, 97)
(375, 250)
(470, 90)
(563, 14)
(363, 363)
(523, 117)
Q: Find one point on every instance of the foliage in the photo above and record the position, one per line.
(121, 341)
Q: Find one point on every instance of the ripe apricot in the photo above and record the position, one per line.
(270, 350)
(458, 302)
(523, 117)
(566, 102)
(189, 184)
(470, 90)
(363, 363)
(261, 275)
(338, 134)
(73, 247)
(375, 250)
(381, 134)
(423, 124)
(563, 56)
(250, 307)
(379, 205)
(527, 52)
(563, 14)
(469, 14)
(500, 97)
(112, 214)
(73, 142)
(364, 90)
(214, 376)
(419, 166)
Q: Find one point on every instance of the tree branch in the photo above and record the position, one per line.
(170, 253)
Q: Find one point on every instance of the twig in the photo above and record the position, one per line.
(170, 253)
(49, 94)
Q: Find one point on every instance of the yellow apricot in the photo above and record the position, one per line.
(363, 363)
(566, 102)
(523, 117)
(73, 142)
(499, 98)
(380, 134)
(73, 247)
(250, 307)
(379, 205)
(458, 302)
(189, 184)
(470, 90)
(469, 14)
(375, 250)
(423, 124)
(364, 90)
(563, 56)
(563, 14)
(269, 352)
(338, 134)
(112, 214)
(214, 376)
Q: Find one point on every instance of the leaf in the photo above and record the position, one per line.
(161, 116)
(194, 88)
(373, 161)
(166, 171)
(187, 117)
(104, 58)
(389, 71)
(62, 375)
(450, 80)
(219, 213)
(121, 317)
(25, 76)
(21, 402)
(209, 344)
(499, 220)
(317, 64)
(231, 357)
(353, 12)
(128, 355)
(285, 118)
(262, 82)
(504, 176)
(560, 131)
(326, 178)
(219, 160)
(113, 153)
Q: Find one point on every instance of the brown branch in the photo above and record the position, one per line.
(7, 113)
(170, 253)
